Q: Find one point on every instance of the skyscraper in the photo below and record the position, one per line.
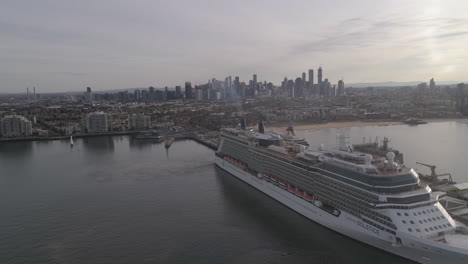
(311, 78)
(320, 75)
(88, 96)
(298, 87)
(188, 90)
(178, 92)
(237, 89)
(255, 81)
(432, 84)
(137, 95)
(340, 91)
(151, 93)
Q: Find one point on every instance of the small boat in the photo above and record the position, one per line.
(414, 121)
(291, 189)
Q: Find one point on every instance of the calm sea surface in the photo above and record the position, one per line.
(117, 200)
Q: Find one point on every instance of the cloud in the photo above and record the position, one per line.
(352, 33)
(450, 35)
(361, 32)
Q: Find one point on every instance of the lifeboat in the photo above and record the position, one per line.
(318, 203)
(274, 180)
(336, 212)
(291, 188)
(299, 192)
(308, 197)
(283, 184)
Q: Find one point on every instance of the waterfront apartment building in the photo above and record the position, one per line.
(15, 126)
(138, 122)
(98, 122)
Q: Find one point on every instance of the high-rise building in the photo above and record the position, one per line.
(98, 122)
(298, 85)
(122, 97)
(243, 88)
(304, 77)
(88, 97)
(151, 93)
(290, 88)
(15, 126)
(340, 91)
(138, 122)
(144, 95)
(137, 95)
(325, 88)
(165, 93)
(320, 75)
(254, 80)
(432, 84)
(178, 92)
(188, 90)
(237, 88)
(311, 77)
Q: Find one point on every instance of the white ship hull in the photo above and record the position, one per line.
(413, 248)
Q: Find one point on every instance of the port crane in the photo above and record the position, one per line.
(434, 177)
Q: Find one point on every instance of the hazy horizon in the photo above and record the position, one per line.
(65, 45)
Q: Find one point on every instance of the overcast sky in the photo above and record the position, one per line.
(66, 45)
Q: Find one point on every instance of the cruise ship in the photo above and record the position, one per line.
(368, 196)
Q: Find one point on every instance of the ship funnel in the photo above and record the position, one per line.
(243, 124)
(261, 127)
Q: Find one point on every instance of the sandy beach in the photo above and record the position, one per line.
(347, 124)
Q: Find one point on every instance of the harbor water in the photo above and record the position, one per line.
(120, 200)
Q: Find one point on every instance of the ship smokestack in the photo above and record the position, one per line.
(243, 124)
(261, 127)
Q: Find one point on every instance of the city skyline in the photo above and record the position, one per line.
(61, 46)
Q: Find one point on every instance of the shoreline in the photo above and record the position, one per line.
(311, 126)
(6, 140)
